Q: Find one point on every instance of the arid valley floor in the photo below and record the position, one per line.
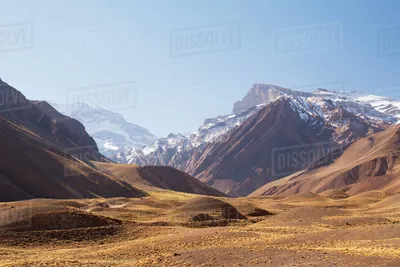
(170, 228)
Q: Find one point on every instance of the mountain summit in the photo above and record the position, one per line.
(342, 116)
(264, 93)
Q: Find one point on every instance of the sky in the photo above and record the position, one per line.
(169, 65)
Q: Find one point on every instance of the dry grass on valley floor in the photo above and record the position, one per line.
(162, 229)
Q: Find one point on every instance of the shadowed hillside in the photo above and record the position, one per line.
(159, 176)
(31, 167)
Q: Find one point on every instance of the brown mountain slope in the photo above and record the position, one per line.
(250, 157)
(159, 176)
(73, 130)
(43, 120)
(352, 126)
(31, 167)
(286, 136)
(370, 163)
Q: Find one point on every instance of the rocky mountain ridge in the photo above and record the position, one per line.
(173, 150)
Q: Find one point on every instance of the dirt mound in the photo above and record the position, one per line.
(201, 217)
(61, 220)
(259, 212)
(212, 207)
(248, 209)
(334, 194)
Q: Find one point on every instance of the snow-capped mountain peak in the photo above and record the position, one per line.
(130, 143)
(303, 107)
(322, 106)
(373, 106)
(112, 133)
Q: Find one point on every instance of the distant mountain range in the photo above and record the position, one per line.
(46, 154)
(125, 142)
(347, 115)
(234, 153)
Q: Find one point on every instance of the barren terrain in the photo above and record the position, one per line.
(370, 163)
(170, 228)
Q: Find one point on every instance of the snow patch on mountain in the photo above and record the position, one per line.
(125, 142)
(372, 106)
(303, 107)
(113, 134)
(320, 105)
(180, 146)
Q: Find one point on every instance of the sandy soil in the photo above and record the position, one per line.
(160, 230)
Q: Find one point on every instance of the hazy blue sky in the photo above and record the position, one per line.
(51, 49)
